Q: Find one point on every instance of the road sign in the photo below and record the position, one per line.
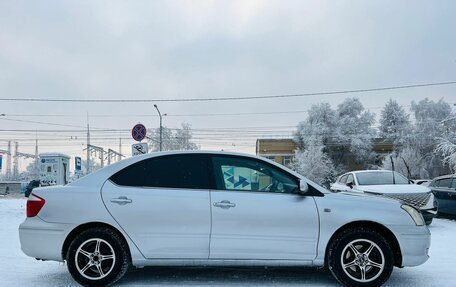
(138, 132)
(77, 163)
(1, 160)
(139, 148)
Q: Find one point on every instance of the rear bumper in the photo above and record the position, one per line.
(43, 240)
(414, 243)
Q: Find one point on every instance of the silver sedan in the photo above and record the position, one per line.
(217, 209)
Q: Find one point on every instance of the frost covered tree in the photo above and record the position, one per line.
(447, 143)
(448, 149)
(178, 139)
(356, 129)
(428, 132)
(32, 171)
(407, 162)
(395, 123)
(94, 165)
(346, 131)
(320, 125)
(429, 116)
(314, 164)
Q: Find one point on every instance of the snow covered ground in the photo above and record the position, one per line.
(16, 269)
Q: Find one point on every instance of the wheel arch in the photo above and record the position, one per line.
(80, 228)
(383, 230)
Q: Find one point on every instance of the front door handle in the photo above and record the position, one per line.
(225, 204)
(121, 200)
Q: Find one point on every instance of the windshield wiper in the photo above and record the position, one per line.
(392, 166)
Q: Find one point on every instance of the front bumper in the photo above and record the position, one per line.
(43, 240)
(414, 242)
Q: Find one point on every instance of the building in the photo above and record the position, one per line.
(278, 150)
(282, 150)
(12, 187)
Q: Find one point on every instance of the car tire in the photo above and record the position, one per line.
(98, 257)
(360, 257)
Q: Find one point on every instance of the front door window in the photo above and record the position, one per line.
(249, 175)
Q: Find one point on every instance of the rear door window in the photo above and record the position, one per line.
(444, 183)
(453, 184)
(189, 171)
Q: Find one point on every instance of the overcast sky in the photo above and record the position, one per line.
(187, 49)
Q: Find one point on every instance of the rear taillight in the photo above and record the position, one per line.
(34, 205)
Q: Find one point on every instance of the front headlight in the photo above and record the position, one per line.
(415, 214)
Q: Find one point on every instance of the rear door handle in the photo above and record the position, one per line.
(121, 200)
(225, 204)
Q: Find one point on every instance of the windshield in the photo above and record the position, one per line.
(380, 177)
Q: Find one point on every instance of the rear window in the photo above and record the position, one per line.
(350, 179)
(176, 171)
(380, 178)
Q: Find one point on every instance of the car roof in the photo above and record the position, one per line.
(373, 170)
(365, 171)
(98, 177)
(445, 176)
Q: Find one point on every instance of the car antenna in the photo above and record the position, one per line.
(392, 167)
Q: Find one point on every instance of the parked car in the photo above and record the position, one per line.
(30, 186)
(444, 190)
(389, 184)
(217, 209)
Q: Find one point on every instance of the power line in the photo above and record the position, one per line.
(101, 130)
(167, 115)
(173, 115)
(230, 98)
(52, 124)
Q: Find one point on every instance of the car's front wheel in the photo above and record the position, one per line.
(360, 257)
(97, 257)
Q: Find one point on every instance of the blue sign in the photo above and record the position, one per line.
(138, 132)
(77, 163)
(1, 160)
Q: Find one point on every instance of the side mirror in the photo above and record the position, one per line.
(350, 185)
(303, 187)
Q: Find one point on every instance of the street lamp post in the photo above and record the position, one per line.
(161, 127)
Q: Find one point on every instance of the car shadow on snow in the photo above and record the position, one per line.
(210, 276)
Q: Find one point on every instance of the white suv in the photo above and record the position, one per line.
(217, 208)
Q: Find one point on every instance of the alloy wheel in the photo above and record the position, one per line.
(362, 260)
(95, 259)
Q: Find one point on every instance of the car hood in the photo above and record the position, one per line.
(393, 188)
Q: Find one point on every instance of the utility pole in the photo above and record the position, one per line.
(119, 156)
(8, 158)
(97, 151)
(161, 127)
(88, 145)
(113, 154)
(8, 161)
(15, 161)
(36, 156)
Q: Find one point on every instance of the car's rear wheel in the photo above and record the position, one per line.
(97, 257)
(360, 257)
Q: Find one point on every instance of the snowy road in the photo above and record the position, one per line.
(16, 269)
